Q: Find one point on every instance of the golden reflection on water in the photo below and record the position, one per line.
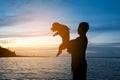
(35, 68)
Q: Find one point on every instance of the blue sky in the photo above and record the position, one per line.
(22, 19)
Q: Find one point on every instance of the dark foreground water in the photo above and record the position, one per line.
(53, 68)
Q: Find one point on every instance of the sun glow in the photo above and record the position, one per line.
(44, 41)
(31, 32)
(31, 37)
(34, 46)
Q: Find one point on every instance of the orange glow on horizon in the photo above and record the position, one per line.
(34, 46)
(44, 41)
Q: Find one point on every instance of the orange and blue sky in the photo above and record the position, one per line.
(25, 24)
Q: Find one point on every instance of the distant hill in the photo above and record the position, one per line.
(6, 52)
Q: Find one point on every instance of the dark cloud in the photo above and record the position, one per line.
(105, 50)
(112, 44)
(19, 3)
(106, 27)
(7, 21)
(15, 20)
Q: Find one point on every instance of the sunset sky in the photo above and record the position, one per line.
(25, 24)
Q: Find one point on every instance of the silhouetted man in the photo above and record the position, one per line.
(77, 48)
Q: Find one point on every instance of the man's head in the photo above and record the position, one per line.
(83, 28)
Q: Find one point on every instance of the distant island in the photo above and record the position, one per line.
(4, 52)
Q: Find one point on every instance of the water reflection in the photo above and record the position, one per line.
(35, 68)
(53, 68)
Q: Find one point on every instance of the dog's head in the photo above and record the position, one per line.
(55, 26)
(59, 28)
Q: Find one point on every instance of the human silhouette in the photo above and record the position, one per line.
(77, 48)
(63, 31)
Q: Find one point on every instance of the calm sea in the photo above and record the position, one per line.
(52, 68)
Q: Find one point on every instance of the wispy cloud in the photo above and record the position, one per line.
(7, 21)
(19, 3)
(26, 34)
(5, 41)
(15, 20)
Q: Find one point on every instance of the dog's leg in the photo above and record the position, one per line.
(61, 47)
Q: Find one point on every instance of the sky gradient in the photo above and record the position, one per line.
(27, 23)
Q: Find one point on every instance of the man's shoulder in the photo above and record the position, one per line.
(75, 39)
(72, 41)
(72, 45)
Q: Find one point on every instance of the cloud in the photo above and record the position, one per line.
(15, 20)
(7, 21)
(26, 34)
(14, 12)
(5, 42)
(104, 50)
(19, 3)
(106, 28)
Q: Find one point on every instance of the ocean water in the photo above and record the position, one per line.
(52, 68)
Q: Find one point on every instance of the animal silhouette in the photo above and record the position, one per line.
(63, 31)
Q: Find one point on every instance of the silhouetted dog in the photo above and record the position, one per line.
(63, 31)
